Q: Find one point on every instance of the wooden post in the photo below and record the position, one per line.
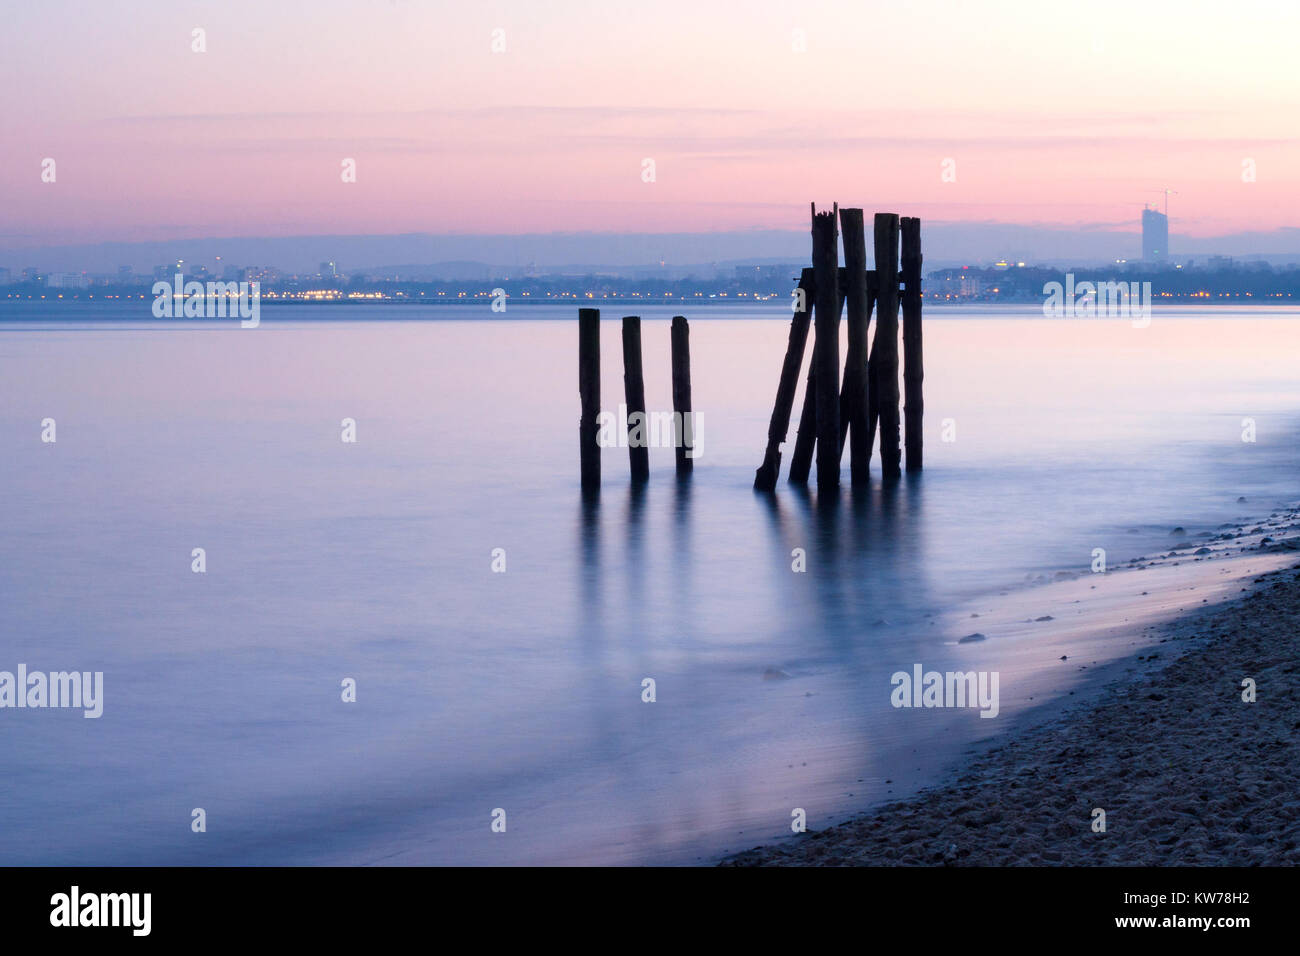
(913, 369)
(806, 437)
(589, 391)
(638, 429)
(681, 341)
(855, 364)
(844, 392)
(873, 410)
(826, 351)
(779, 426)
(885, 348)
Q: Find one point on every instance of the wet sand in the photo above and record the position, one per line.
(1187, 772)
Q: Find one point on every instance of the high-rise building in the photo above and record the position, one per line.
(1155, 235)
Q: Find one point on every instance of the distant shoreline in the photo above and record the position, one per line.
(779, 304)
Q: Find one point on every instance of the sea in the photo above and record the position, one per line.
(424, 645)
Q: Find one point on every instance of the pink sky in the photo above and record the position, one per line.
(1051, 115)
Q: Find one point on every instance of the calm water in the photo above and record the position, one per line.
(478, 690)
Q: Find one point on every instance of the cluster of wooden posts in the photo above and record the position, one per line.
(869, 397)
(634, 395)
(832, 415)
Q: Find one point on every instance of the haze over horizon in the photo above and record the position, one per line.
(947, 244)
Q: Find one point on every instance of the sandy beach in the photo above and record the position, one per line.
(1186, 770)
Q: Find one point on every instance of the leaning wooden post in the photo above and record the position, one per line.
(638, 452)
(826, 352)
(873, 410)
(885, 348)
(589, 391)
(681, 339)
(805, 439)
(913, 369)
(855, 364)
(779, 426)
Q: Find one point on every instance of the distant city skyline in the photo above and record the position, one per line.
(458, 256)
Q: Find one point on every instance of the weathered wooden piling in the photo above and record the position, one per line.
(826, 350)
(638, 427)
(885, 347)
(913, 368)
(681, 344)
(870, 399)
(855, 363)
(873, 411)
(848, 361)
(805, 439)
(779, 426)
(589, 392)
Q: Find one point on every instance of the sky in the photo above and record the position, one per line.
(1053, 114)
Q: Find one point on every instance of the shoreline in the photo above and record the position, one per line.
(1187, 772)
